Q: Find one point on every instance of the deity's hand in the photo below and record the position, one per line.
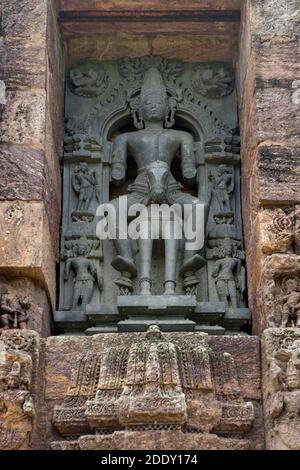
(189, 174)
(118, 174)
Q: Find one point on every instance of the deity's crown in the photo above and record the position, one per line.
(153, 85)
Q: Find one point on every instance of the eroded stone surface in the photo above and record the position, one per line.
(19, 353)
(154, 385)
(281, 388)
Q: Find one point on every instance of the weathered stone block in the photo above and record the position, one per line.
(278, 230)
(25, 175)
(26, 248)
(32, 12)
(281, 388)
(81, 403)
(277, 292)
(22, 173)
(275, 17)
(278, 173)
(18, 369)
(23, 62)
(23, 119)
(277, 114)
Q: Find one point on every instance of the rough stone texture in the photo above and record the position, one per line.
(31, 135)
(281, 388)
(26, 248)
(269, 113)
(19, 363)
(188, 46)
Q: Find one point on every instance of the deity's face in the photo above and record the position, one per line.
(81, 250)
(83, 168)
(154, 108)
(228, 249)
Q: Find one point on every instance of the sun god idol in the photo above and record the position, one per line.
(153, 147)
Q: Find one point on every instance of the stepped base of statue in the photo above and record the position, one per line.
(138, 312)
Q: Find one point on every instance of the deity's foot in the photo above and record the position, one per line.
(124, 265)
(169, 288)
(192, 264)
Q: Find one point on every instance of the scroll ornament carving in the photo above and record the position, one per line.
(154, 382)
(135, 69)
(17, 349)
(280, 230)
(88, 80)
(213, 81)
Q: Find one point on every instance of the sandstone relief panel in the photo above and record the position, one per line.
(19, 355)
(154, 132)
(153, 391)
(281, 388)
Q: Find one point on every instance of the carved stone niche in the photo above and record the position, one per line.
(191, 155)
(18, 358)
(281, 387)
(156, 391)
(278, 296)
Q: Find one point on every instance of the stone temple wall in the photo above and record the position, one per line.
(196, 391)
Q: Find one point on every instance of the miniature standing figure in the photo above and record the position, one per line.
(85, 274)
(14, 312)
(228, 276)
(221, 189)
(84, 185)
(291, 304)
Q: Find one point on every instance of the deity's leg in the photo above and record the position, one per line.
(233, 294)
(145, 256)
(86, 293)
(171, 252)
(124, 261)
(222, 291)
(77, 298)
(145, 270)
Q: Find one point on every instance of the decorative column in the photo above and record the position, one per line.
(31, 134)
(269, 89)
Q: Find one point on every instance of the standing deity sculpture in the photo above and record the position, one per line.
(153, 147)
(84, 185)
(222, 186)
(85, 274)
(228, 275)
(290, 310)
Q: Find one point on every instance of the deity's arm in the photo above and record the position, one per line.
(188, 164)
(230, 184)
(92, 269)
(277, 405)
(216, 270)
(75, 184)
(118, 168)
(67, 270)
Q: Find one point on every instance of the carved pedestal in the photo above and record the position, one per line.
(157, 391)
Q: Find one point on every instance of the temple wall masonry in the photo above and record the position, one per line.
(195, 101)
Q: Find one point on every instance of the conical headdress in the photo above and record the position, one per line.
(153, 84)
